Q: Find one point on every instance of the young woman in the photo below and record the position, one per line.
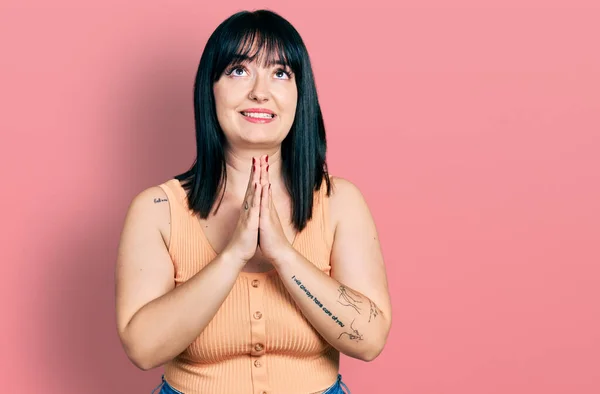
(253, 270)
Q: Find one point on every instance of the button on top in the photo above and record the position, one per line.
(257, 364)
(257, 315)
(259, 347)
(255, 283)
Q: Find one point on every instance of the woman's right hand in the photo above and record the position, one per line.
(244, 241)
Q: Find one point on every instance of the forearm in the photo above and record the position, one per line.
(166, 326)
(347, 319)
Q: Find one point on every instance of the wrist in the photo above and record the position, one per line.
(231, 258)
(284, 257)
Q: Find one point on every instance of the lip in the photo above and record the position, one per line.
(258, 111)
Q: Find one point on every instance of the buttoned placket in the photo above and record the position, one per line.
(256, 285)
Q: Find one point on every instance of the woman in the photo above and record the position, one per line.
(253, 270)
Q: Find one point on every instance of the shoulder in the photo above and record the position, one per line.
(344, 192)
(146, 201)
(345, 198)
(150, 207)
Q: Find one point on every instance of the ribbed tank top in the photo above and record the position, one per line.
(259, 341)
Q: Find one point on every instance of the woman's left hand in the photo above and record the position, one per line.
(272, 240)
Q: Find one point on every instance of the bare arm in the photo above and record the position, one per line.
(351, 308)
(156, 321)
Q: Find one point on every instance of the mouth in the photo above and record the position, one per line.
(258, 115)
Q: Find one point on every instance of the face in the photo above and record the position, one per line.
(256, 105)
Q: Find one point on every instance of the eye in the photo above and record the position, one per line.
(286, 74)
(236, 71)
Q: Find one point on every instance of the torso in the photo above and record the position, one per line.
(218, 228)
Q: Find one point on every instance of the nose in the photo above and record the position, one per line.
(260, 90)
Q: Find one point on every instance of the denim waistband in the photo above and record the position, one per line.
(338, 387)
(166, 387)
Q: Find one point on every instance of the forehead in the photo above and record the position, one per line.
(260, 51)
(257, 62)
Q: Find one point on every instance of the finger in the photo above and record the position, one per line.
(249, 188)
(272, 207)
(256, 195)
(256, 174)
(264, 166)
(256, 180)
(248, 198)
(264, 201)
(268, 176)
(251, 177)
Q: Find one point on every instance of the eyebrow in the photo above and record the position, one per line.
(244, 58)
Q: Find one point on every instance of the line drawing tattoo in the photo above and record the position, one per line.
(374, 311)
(353, 335)
(350, 298)
(157, 200)
(317, 302)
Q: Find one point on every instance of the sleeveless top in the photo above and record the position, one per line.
(259, 341)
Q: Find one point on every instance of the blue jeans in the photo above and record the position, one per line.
(336, 388)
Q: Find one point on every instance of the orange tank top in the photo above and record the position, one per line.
(259, 341)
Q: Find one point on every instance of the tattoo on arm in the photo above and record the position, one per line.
(353, 335)
(374, 311)
(317, 302)
(157, 200)
(349, 298)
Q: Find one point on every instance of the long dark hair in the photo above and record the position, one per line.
(303, 151)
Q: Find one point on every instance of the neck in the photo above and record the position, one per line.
(239, 165)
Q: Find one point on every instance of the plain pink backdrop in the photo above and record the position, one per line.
(472, 128)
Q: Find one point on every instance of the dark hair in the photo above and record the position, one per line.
(303, 151)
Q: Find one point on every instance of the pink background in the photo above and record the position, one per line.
(471, 127)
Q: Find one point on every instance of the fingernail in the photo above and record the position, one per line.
(253, 167)
(253, 160)
(267, 167)
(269, 186)
(267, 158)
(254, 185)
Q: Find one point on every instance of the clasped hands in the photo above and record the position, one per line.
(259, 225)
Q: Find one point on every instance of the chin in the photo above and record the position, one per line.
(258, 133)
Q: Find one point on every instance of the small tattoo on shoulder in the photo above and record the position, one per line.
(157, 200)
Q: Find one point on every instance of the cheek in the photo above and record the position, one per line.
(220, 99)
(290, 101)
(225, 102)
(292, 107)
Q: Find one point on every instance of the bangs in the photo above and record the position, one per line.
(266, 44)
